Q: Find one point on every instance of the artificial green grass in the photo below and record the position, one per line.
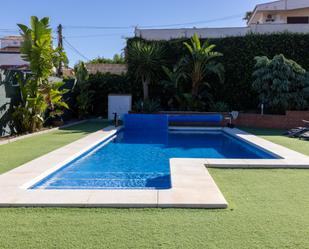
(17, 153)
(275, 136)
(267, 209)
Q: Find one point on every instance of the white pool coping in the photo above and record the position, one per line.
(288, 158)
(192, 185)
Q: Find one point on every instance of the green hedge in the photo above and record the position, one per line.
(103, 85)
(238, 60)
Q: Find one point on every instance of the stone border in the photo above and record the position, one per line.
(192, 185)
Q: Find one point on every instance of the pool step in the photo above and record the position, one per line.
(111, 180)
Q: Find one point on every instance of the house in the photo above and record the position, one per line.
(10, 52)
(273, 17)
(281, 12)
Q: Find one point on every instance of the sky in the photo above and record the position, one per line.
(95, 28)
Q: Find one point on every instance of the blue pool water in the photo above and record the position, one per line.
(139, 160)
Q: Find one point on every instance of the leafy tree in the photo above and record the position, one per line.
(147, 60)
(38, 94)
(281, 83)
(173, 86)
(247, 16)
(200, 63)
(117, 59)
(85, 94)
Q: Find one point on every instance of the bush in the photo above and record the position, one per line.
(280, 83)
(102, 85)
(147, 106)
(219, 107)
(22, 119)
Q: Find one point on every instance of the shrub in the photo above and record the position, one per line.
(117, 59)
(280, 83)
(219, 107)
(147, 106)
(22, 120)
(99, 86)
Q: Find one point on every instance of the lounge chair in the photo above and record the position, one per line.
(304, 136)
(296, 132)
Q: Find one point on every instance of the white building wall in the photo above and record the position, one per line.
(9, 43)
(279, 28)
(293, 4)
(168, 34)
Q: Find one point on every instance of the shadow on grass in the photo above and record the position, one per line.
(87, 127)
(264, 132)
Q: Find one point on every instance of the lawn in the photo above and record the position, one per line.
(268, 209)
(22, 151)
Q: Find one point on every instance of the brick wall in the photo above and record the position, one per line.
(290, 120)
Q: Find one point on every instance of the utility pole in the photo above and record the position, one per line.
(60, 46)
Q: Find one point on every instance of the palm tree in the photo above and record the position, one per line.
(200, 62)
(247, 16)
(173, 84)
(146, 60)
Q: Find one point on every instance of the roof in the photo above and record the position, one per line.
(17, 67)
(281, 5)
(12, 37)
(10, 50)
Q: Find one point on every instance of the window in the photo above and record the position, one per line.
(297, 19)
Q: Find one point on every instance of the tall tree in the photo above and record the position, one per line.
(85, 94)
(146, 60)
(247, 16)
(201, 62)
(38, 93)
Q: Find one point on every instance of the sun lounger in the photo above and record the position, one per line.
(296, 132)
(304, 136)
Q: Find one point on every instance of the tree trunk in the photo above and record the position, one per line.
(146, 89)
(195, 90)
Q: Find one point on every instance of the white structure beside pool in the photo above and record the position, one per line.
(120, 104)
(192, 185)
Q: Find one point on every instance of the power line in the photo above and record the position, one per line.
(8, 29)
(75, 49)
(194, 23)
(97, 27)
(155, 26)
(96, 35)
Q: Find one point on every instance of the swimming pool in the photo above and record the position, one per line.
(140, 159)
